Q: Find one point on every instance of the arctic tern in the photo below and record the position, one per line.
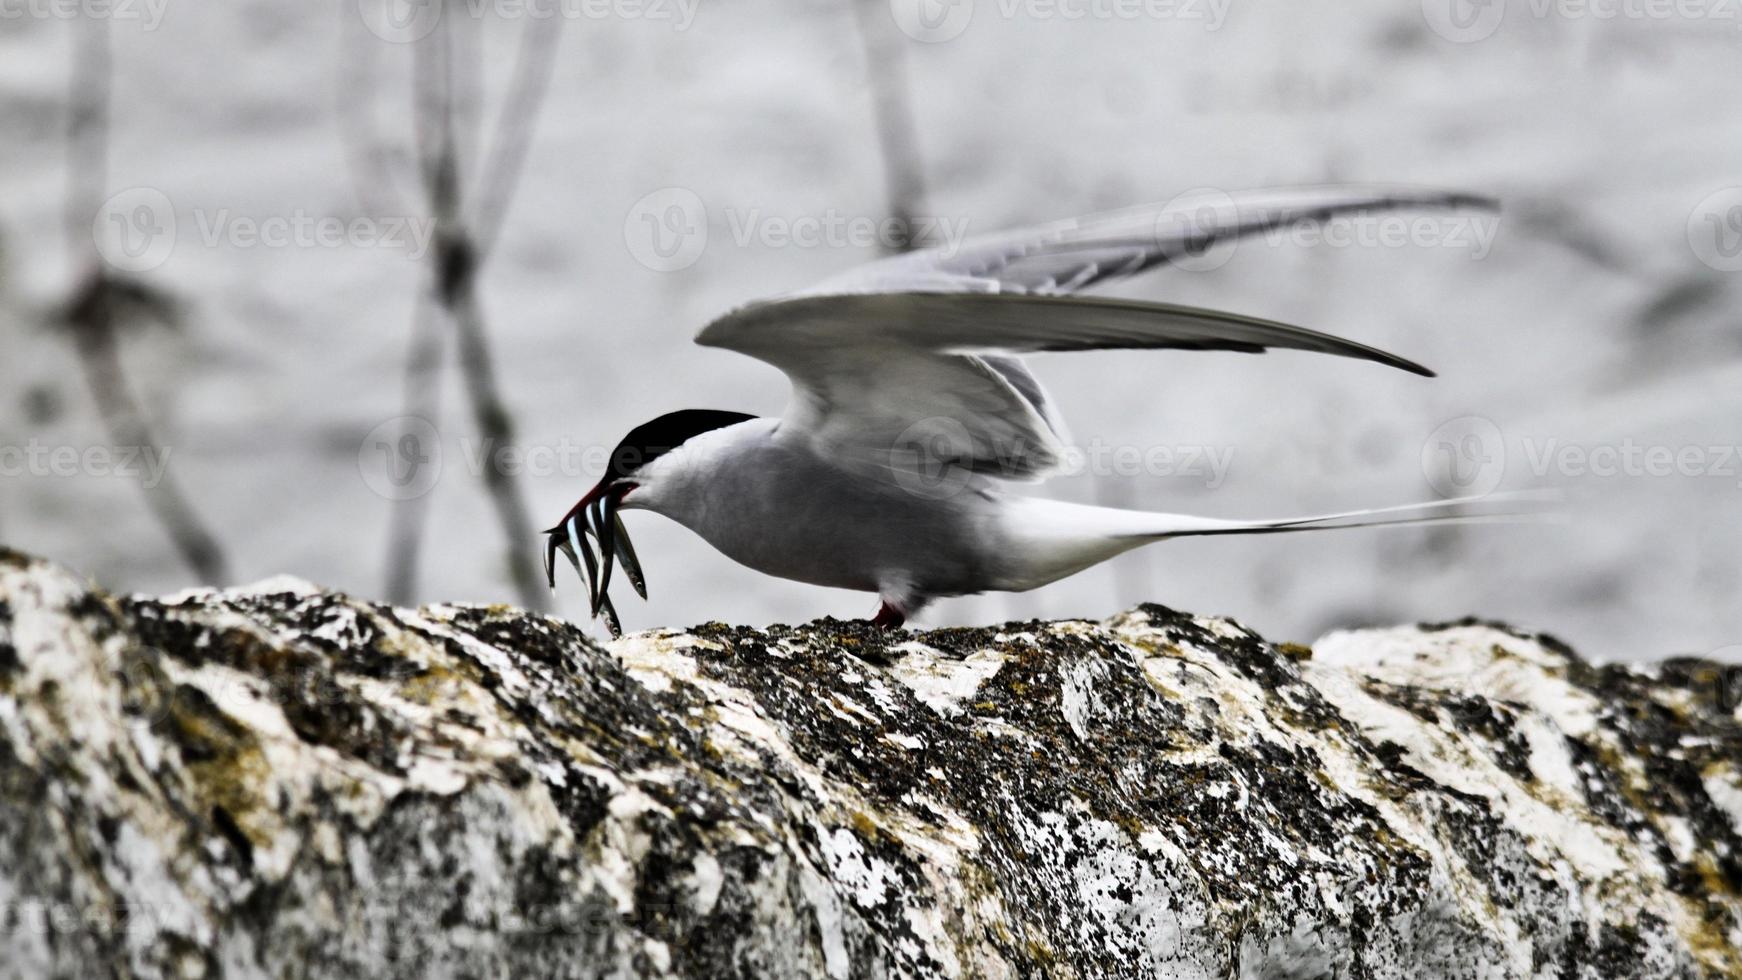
(911, 412)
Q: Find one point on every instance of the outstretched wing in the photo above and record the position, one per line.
(1068, 256)
(909, 359)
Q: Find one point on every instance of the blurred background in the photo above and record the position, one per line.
(362, 292)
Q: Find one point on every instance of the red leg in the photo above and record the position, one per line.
(888, 617)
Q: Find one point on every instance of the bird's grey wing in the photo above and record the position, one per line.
(894, 408)
(880, 377)
(1064, 257)
(1008, 323)
(924, 343)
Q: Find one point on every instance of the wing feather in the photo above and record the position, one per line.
(1067, 256)
(921, 348)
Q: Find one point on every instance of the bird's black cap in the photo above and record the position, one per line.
(651, 440)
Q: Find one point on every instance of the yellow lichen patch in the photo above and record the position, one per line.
(863, 825)
(223, 760)
(1707, 925)
(429, 684)
(1131, 825)
(1040, 952)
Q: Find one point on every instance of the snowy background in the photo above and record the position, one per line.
(1604, 317)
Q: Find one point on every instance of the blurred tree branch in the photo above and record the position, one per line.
(421, 396)
(462, 243)
(105, 301)
(897, 137)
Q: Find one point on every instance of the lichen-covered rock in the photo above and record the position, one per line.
(283, 782)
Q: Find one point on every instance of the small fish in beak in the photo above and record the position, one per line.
(596, 515)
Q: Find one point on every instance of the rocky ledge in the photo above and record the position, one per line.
(281, 781)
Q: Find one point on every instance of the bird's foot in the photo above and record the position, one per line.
(888, 617)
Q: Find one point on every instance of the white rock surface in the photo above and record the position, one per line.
(285, 782)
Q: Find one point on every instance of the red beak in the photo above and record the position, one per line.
(585, 502)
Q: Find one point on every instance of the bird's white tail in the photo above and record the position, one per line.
(1052, 539)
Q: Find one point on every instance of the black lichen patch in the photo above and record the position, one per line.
(1094, 753)
(1247, 653)
(1677, 735)
(822, 701)
(302, 680)
(232, 832)
(1492, 726)
(1274, 668)
(548, 642)
(10, 664)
